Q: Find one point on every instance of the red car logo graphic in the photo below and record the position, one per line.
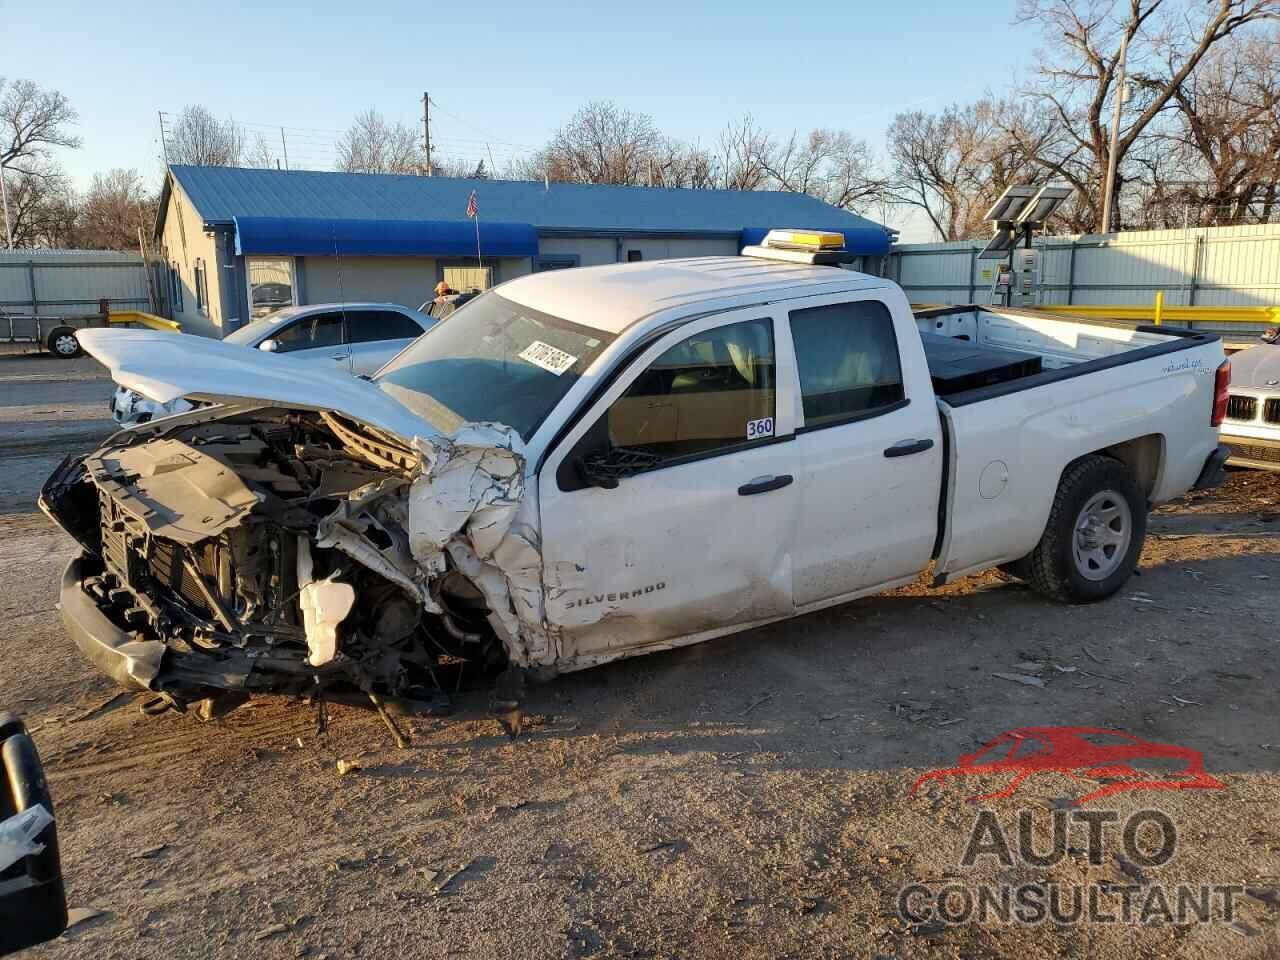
(1083, 753)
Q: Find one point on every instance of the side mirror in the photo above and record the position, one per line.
(270, 345)
(33, 900)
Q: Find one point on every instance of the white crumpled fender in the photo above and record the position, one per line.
(468, 501)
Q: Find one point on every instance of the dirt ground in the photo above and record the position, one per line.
(745, 798)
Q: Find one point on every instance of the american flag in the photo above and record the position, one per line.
(472, 208)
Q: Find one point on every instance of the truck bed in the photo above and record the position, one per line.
(1004, 349)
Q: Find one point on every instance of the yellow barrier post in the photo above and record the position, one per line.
(1159, 307)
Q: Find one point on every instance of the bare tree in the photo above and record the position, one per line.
(1225, 139)
(201, 139)
(460, 168)
(744, 155)
(372, 145)
(602, 143)
(113, 209)
(1166, 41)
(953, 164)
(32, 120)
(43, 210)
(261, 155)
(831, 165)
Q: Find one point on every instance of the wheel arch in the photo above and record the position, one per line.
(1144, 456)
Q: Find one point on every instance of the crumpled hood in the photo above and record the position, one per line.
(1253, 368)
(166, 366)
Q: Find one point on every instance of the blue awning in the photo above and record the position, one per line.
(861, 241)
(320, 237)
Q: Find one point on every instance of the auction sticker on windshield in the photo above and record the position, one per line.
(548, 357)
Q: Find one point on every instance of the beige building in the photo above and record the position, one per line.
(241, 243)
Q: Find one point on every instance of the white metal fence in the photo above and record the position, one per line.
(69, 282)
(1205, 266)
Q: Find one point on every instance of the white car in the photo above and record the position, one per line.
(356, 338)
(598, 463)
(1252, 425)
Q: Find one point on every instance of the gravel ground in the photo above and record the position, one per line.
(748, 797)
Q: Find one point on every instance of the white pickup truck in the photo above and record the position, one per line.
(590, 464)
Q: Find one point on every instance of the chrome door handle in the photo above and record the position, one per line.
(904, 448)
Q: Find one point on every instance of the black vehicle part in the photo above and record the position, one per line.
(62, 343)
(33, 902)
(1053, 567)
(956, 366)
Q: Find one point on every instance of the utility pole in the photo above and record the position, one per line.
(164, 141)
(1109, 190)
(426, 133)
(285, 147)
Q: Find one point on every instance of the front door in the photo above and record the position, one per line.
(667, 512)
(316, 338)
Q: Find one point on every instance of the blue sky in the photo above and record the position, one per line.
(500, 73)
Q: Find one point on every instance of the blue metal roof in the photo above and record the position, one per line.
(221, 194)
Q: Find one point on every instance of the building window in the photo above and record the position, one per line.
(634, 256)
(202, 287)
(466, 278)
(175, 288)
(564, 261)
(270, 285)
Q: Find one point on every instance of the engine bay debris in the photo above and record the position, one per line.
(260, 549)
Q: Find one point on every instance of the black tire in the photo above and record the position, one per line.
(10, 725)
(62, 343)
(1054, 568)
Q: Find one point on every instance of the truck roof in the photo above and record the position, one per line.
(616, 296)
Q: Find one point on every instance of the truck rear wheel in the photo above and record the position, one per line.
(1094, 536)
(62, 343)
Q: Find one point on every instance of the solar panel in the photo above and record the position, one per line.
(1010, 204)
(999, 245)
(1044, 205)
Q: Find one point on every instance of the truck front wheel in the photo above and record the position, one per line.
(1094, 535)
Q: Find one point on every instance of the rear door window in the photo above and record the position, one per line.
(847, 358)
(365, 326)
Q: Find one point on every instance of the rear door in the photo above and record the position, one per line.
(375, 336)
(316, 338)
(868, 449)
(693, 537)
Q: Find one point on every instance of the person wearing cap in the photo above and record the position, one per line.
(444, 290)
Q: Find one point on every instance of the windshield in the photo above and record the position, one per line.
(492, 360)
(251, 333)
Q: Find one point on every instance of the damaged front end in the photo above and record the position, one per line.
(247, 550)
